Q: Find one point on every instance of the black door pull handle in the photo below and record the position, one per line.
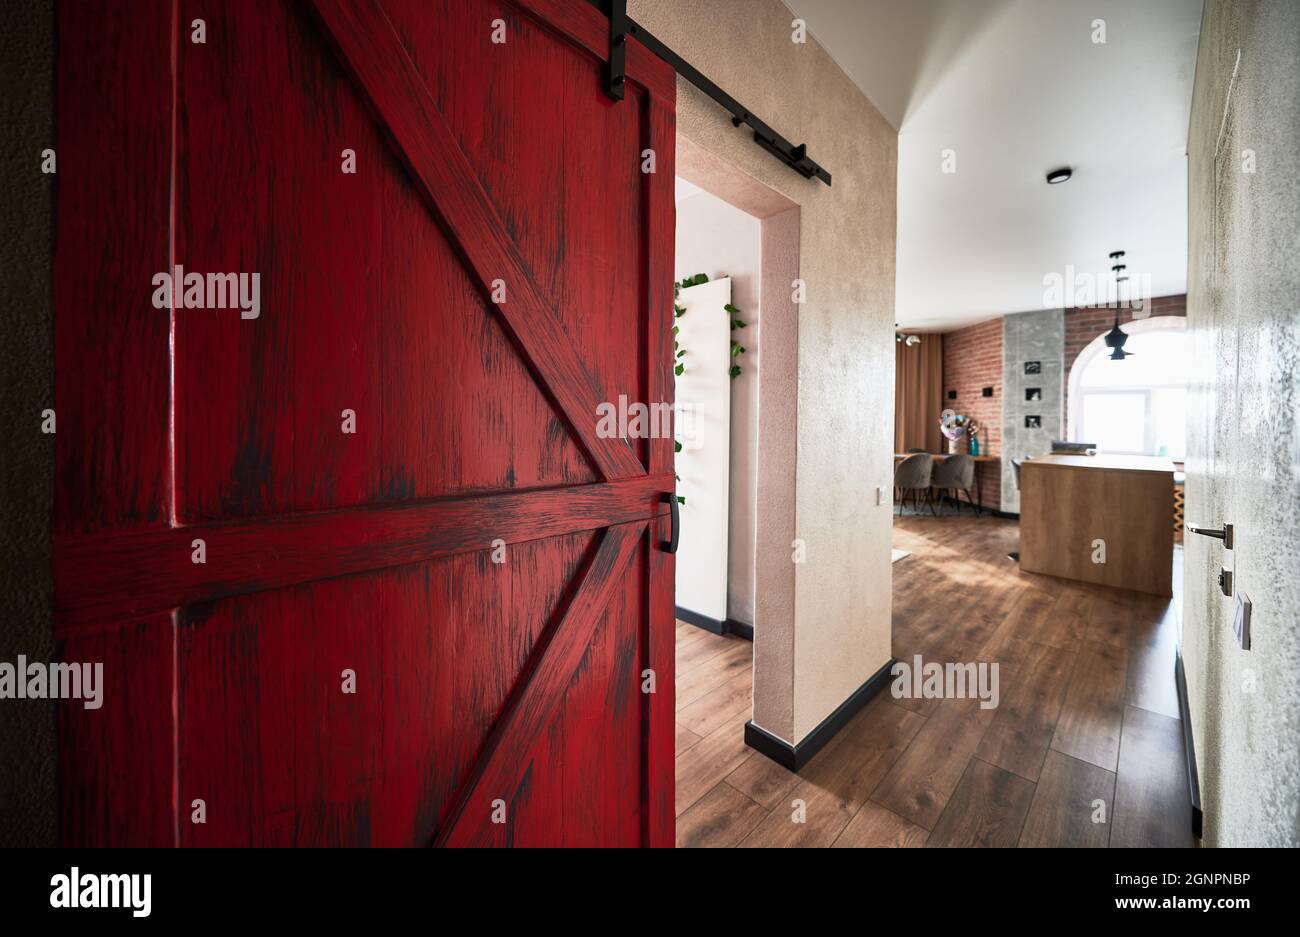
(670, 545)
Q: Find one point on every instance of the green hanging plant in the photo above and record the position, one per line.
(737, 349)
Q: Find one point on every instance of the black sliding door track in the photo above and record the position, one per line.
(621, 28)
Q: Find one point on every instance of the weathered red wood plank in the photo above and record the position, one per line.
(565, 147)
(272, 742)
(571, 796)
(339, 737)
(111, 210)
(259, 402)
(512, 436)
(658, 801)
(392, 85)
(658, 797)
(493, 634)
(238, 690)
(102, 576)
(585, 26)
(259, 422)
(116, 762)
(499, 769)
(615, 790)
(661, 219)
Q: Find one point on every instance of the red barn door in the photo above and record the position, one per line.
(427, 591)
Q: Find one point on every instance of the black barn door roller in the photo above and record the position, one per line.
(621, 29)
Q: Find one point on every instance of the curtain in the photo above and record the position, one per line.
(918, 395)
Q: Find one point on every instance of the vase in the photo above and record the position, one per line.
(952, 447)
(974, 445)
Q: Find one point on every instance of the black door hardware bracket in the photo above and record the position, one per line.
(621, 28)
(616, 67)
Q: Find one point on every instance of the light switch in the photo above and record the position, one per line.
(1241, 621)
(882, 494)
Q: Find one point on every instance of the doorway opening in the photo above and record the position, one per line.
(736, 259)
(718, 271)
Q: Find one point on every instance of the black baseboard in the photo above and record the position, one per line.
(739, 629)
(726, 626)
(796, 756)
(1189, 746)
(1009, 515)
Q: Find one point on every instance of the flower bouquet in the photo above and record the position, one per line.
(953, 427)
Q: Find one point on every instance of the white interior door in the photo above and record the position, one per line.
(703, 428)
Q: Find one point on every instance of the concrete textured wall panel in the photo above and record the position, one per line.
(1030, 339)
(1243, 438)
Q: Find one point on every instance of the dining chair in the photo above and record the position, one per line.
(910, 451)
(913, 474)
(955, 473)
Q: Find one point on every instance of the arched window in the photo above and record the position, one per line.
(1135, 406)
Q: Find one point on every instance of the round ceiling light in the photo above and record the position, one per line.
(1057, 176)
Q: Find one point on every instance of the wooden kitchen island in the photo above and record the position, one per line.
(1068, 502)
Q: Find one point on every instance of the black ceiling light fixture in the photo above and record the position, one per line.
(1115, 340)
(1057, 176)
(1116, 337)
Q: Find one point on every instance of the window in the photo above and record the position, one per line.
(1136, 406)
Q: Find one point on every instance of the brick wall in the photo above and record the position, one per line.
(972, 360)
(1084, 325)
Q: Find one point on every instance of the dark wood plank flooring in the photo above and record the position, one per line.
(1084, 748)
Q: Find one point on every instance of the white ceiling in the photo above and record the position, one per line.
(1016, 88)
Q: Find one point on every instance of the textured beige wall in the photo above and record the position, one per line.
(778, 433)
(839, 634)
(1243, 440)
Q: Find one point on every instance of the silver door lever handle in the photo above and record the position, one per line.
(1225, 534)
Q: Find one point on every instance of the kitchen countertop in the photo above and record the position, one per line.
(1125, 463)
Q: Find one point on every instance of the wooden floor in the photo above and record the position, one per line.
(1087, 728)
